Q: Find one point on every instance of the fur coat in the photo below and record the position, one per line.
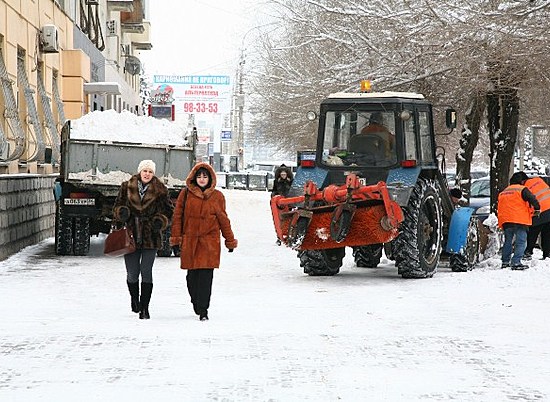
(282, 186)
(147, 217)
(197, 229)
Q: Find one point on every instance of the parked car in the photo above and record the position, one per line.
(480, 197)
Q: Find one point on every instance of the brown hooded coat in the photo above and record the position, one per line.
(203, 220)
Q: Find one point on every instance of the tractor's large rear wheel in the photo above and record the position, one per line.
(465, 260)
(322, 262)
(418, 247)
(367, 256)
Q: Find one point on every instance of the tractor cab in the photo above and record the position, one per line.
(372, 133)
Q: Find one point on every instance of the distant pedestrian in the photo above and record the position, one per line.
(199, 217)
(515, 204)
(457, 198)
(541, 223)
(144, 205)
(283, 181)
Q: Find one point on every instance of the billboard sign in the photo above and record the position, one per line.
(199, 94)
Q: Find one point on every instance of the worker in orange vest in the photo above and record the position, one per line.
(541, 224)
(515, 209)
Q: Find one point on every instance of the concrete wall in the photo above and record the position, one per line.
(27, 211)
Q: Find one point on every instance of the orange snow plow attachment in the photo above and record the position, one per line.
(348, 215)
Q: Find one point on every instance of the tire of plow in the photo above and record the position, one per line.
(367, 256)
(322, 262)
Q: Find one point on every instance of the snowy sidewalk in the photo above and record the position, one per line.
(274, 334)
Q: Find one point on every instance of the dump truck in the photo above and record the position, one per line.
(90, 174)
(374, 183)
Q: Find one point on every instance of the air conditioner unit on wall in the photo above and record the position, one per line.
(49, 39)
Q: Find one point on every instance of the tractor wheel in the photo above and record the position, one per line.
(81, 236)
(322, 262)
(465, 260)
(418, 247)
(367, 256)
(63, 233)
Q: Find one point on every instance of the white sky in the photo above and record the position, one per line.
(198, 37)
(274, 334)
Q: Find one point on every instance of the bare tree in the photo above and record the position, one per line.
(465, 53)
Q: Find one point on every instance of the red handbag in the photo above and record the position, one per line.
(119, 242)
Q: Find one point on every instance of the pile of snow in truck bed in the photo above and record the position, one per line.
(110, 125)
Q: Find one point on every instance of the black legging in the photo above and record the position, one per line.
(532, 236)
(140, 261)
(199, 285)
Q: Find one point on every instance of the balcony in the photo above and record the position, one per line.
(135, 16)
(142, 40)
(120, 5)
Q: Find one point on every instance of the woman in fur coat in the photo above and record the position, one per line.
(199, 217)
(143, 204)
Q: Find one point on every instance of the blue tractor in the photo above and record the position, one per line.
(374, 184)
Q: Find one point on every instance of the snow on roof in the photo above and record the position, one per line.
(109, 125)
(385, 94)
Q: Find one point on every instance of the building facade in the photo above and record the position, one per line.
(60, 59)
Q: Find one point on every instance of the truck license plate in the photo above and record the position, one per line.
(79, 201)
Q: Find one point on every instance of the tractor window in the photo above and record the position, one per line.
(359, 138)
(410, 139)
(425, 137)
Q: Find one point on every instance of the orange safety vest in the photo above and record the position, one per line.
(541, 190)
(512, 208)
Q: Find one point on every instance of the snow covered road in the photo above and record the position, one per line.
(274, 334)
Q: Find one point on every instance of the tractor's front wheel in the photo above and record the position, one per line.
(418, 247)
(367, 256)
(322, 262)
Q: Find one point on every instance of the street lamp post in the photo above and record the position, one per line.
(240, 96)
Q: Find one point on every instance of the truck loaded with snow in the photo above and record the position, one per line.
(375, 184)
(98, 152)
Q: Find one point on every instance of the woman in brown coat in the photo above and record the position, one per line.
(143, 204)
(199, 217)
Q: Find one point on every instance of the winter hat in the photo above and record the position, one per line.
(147, 164)
(456, 192)
(518, 178)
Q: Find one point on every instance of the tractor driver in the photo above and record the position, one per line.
(376, 127)
(374, 137)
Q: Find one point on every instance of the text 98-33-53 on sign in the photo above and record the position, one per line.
(200, 107)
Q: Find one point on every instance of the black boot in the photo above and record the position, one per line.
(203, 315)
(134, 294)
(146, 290)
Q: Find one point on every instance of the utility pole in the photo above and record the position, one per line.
(239, 103)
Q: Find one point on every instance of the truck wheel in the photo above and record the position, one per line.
(367, 256)
(63, 233)
(81, 236)
(322, 262)
(465, 260)
(166, 250)
(418, 247)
